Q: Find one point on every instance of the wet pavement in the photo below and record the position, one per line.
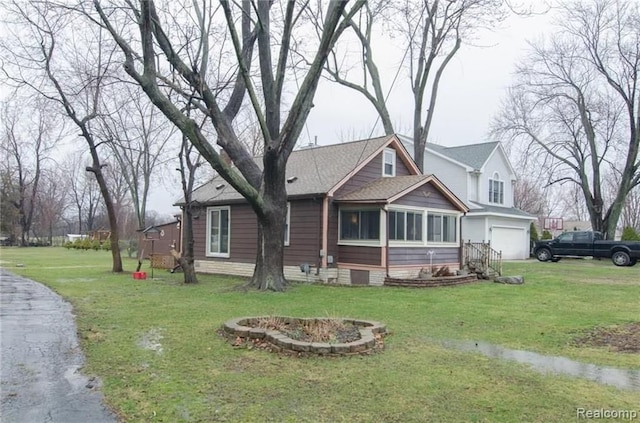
(40, 359)
(625, 379)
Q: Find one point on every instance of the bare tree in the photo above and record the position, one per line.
(631, 210)
(52, 202)
(29, 135)
(47, 52)
(529, 197)
(577, 107)
(137, 135)
(189, 163)
(83, 191)
(263, 188)
(433, 32)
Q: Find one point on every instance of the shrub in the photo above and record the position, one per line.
(85, 244)
(106, 245)
(68, 245)
(546, 235)
(533, 233)
(630, 234)
(95, 245)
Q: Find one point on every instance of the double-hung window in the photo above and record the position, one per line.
(218, 230)
(441, 228)
(389, 162)
(496, 189)
(405, 225)
(359, 225)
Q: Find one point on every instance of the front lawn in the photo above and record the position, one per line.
(154, 344)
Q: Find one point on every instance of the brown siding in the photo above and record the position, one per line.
(426, 196)
(401, 168)
(304, 235)
(244, 230)
(418, 255)
(360, 255)
(244, 234)
(370, 172)
(199, 233)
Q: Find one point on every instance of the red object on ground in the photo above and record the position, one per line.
(139, 275)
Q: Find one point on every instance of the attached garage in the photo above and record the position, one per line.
(512, 242)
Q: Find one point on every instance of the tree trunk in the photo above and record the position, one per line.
(187, 259)
(268, 273)
(111, 213)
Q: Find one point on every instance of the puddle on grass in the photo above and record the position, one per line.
(620, 378)
(150, 340)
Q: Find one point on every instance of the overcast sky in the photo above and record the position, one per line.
(469, 97)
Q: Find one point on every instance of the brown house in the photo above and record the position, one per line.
(357, 212)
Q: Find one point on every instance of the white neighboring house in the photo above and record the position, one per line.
(483, 178)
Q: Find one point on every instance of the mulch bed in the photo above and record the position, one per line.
(624, 338)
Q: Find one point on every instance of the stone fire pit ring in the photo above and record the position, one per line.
(371, 333)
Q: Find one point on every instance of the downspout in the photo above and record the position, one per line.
(319, 243)
(325, 230)
(386, 239)
(461, 241)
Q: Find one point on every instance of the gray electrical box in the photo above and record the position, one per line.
(329, 259)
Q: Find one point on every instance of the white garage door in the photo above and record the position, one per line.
(511, 241)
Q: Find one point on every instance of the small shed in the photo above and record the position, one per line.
(164, 236)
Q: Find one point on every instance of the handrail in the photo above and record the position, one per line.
(480, 257)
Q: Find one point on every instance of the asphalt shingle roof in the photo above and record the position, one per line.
(383, 188)
(317, 170)
(474, 155)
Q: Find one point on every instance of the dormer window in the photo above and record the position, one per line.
(389, 162)
(496, 189)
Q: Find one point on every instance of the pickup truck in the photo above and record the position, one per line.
(585, 244)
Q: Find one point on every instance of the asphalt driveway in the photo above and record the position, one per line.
(40, 359)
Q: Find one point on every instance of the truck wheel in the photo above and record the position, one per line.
(543, 254)
(555, 259)
(620, 258)
(633, 261)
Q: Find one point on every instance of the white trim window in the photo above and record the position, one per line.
(389, 162)
(442, 228)
(496, 189)
(360, 225)
(218, 231)
(287, 226)
(405, 225)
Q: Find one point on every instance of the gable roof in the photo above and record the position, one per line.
(472, 155)
(317, 170)
(387, 190)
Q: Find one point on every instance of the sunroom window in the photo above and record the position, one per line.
(358, 225)
(405, 225)
(441, 228)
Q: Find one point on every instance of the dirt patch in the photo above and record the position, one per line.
(331, 331)
(624, 338)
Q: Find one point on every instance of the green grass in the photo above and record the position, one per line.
(200, 378)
